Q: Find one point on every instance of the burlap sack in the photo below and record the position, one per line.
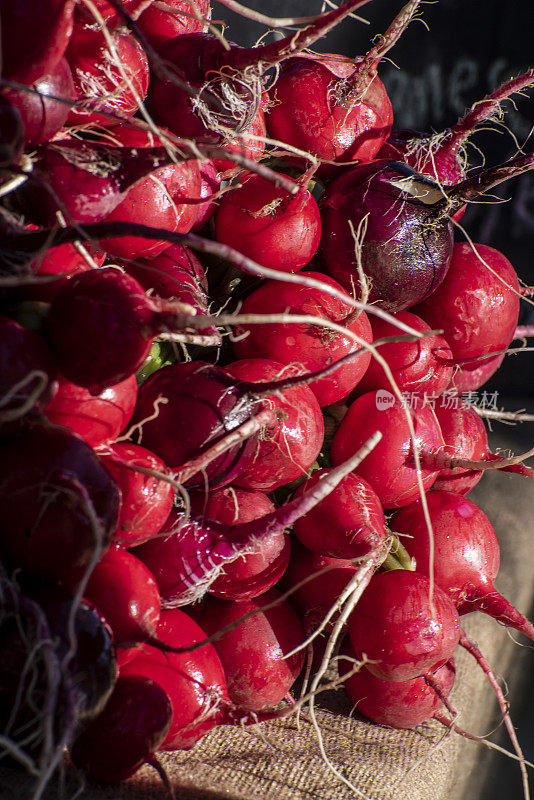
(283, 762)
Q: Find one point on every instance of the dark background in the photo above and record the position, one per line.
(470, 47)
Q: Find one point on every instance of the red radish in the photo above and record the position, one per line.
(27, 371)
(400, 221)
(420, 366)
(466, 554)
(126, 594)
(249, 575)
(390, 468)
(60, 504)
(250, 143)
(398, 704)
(476, 306)
(442, 156)
(155, 200)
(318, 594)
(120, 323)
(146, 502)
(96, 418)
(188, 560)
(127, 733)
(401, 628)
(107, 9)
(309, 345)
(210, 184)
(464, 435)
(468, 380)
(194, 681)
(159, 24)
(285, 449)
(11, 133)
(270, 226)
(252, 653)
(41, 29)
(176, 274)
(43, 117)
(349, 523)
(195, 104)
(109, 78)
(336, 117)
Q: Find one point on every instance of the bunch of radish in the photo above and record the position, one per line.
(236, 328)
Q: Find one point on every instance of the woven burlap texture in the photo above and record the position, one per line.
(283, 762)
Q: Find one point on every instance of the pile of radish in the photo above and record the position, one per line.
(237, 326)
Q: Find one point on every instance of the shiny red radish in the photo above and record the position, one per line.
(403, 629)
(466, 554)
(301, 343)
(285, 449)
(99, 418)
(176, 274)
(252, 574)
(146, 501)
(465, 436)
(252, 653)
(336, 117)
(349, 523)
(397, 704)
(159, 24)
(110, 78)
(424, 365)
(126, 594)
(390, 468)
(267, 224)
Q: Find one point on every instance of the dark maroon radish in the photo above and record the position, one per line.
(199, 406)
(187, 560)
(442, 156)
(404, 252)
(42, 116)
(194, 680)
(301, 343)
(252, 653)
(11, 133)
(476, 306)
(466, 554)
(176, 274)
(267, 224)
(111, 75)
(159, 24)
(107, 10)
(126, 734)
(146, 501)
(402, 628)
(126, 594)
(336, 117)
(323, 580)
(252, 574)
(60, 504)
(349, 523)
(288, 446)
(397, 704)
(34, 37)
(390, 468)
(120, 323)
(155, 200)
(194, 102)
(27, 371)
(96, 418)
(83, 642)
(424, 365)
(465, 436)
